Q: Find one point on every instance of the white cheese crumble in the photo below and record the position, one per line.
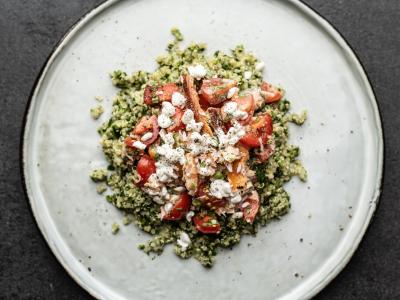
(178, 99)
(196, 149)
(230, 153)
(205, 166)
(220, 189)
(247, 75)
(156, 199)
(164, 118)
(236, 199)
(174, 198)
(232, 91)
(166, 150)
(197, 71)
(139, 145)
(230, 107)
(189, 216)
(199, 143)
(167, 138)
(206, 171)
(145, 137)
(190, 122)
(165, 171)
(164, 191)
(245, 204)
(168, 207)
(164, 121)
(197, 137)
(234, 134)
(260, 66)
(237, 215)
(187, 117)
(167, 109)
(171, 155)
(194, 126)
(183, 241)
(232, 110)
(212, 141)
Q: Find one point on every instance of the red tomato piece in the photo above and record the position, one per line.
(148, 95)
(260, 128)
(180, 208)
(147, 124)
(178, 125)
(271, 93)
(250, 211)
(263, 123)
(251, 140)
(215, 90)
(247, 104)
(165, 92)
(206, 224)
(145, 167)
(202, 191)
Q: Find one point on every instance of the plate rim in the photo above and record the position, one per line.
(299, 5)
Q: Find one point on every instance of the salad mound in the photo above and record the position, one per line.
(198, 150)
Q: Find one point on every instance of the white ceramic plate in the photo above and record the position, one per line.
(341, 145)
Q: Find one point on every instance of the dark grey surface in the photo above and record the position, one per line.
(29, 30)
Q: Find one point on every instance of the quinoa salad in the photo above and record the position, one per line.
(198, 150)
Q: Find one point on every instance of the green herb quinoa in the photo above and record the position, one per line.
(269, 173)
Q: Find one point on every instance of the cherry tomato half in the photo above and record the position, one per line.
(271, 93)
(250, 211)
(180, 208)
(145, 167)
(260, 128)
(247, 104)
(215, 90)
(206, 224)
(162, 93)
(147, 124)
(165, 92)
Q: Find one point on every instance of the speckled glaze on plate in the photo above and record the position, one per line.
(341, 144)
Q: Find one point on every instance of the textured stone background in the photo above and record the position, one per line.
(29, 29)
